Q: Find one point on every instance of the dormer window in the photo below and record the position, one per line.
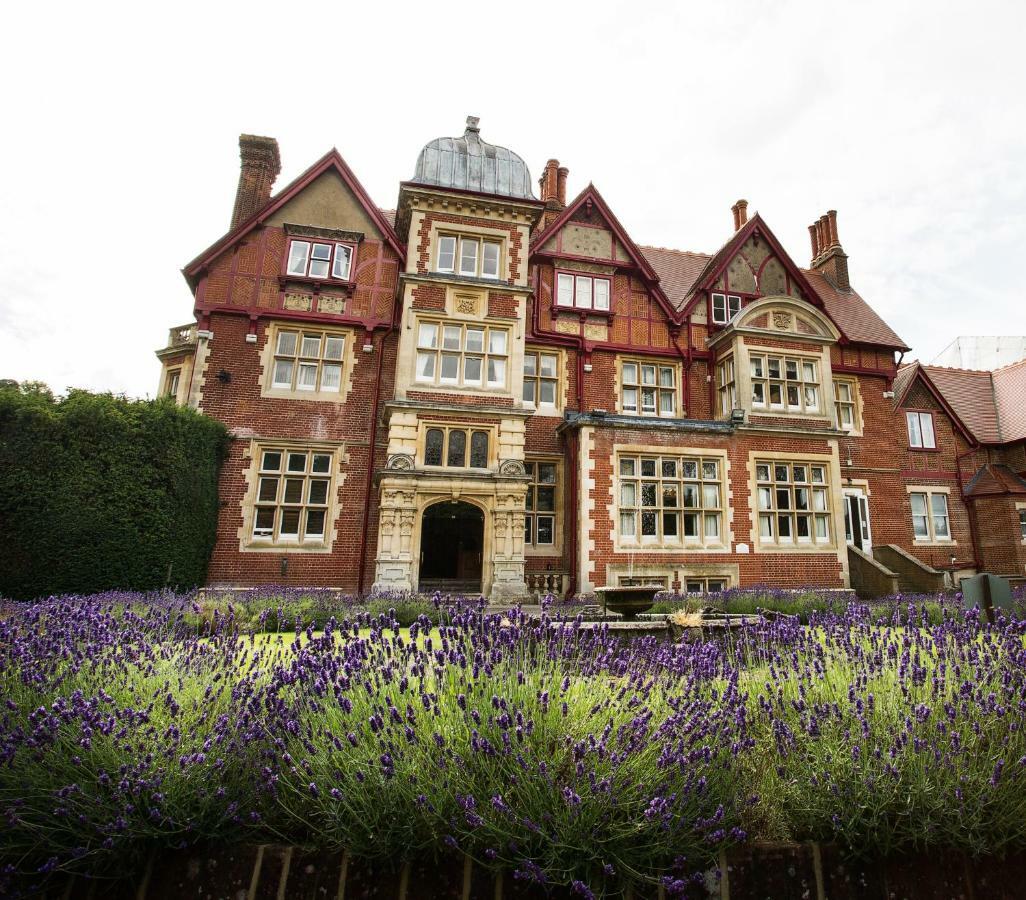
(313, 259)
(582, 291)
(474, 257)
(725, 307)
(921, 434)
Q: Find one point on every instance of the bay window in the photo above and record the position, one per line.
(582, 291)
(793, 503)
(785, 383)
(454, 353)
(726, 386)
(670, 500)
(648, 389)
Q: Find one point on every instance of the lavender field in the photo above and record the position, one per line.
(133, 722)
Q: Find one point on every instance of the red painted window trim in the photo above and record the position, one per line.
(587, 310)
(330, 279)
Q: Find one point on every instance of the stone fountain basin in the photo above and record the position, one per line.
(629, 601)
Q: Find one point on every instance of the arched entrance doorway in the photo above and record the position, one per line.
(451, 544)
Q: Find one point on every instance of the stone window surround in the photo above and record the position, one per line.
(492, 430)
(562, 383)
(441, 320)
(836, 545)
(657, 361)
(480, 231)
(251, 456)
(555, 549)
(930, 489)
(1020, 509)
(856, 399)
(267, 354)
(726, 536)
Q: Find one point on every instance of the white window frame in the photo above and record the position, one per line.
(480, 245)
(761, 368)
(917, 434)
(851, 403)
(730, 306)
(701, 584)
(442, 349)
(583, 291)
(1020, 509)
(334, 248)
(685, 474)
(642, 389)
(931, 513)
(778, 502)
(726, 378)
(302, 361)
(172, 382)
(273, 494)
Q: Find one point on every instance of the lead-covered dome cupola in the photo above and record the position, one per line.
(470, 164)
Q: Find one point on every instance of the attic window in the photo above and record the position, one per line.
(921, 435)
(582, 291)
(725, 307)
(313, 259)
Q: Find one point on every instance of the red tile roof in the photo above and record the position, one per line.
(1010, 394)
(680, 270)
(971, 395)
(995, 479)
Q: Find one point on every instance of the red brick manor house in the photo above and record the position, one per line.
(488, 391)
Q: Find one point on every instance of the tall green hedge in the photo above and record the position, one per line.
(98, 492)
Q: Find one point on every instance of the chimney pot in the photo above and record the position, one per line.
(737, 220)
(261, 164)
(815, 241)
(835, 241)
(550, 181)
(824, 234)
(742, 212)
(561, 174)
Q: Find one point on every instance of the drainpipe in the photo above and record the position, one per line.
(375, 413)
(970, 506)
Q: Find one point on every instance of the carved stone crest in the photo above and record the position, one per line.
(301, 302)
(400, 461)
(512, 467)
(782, 321)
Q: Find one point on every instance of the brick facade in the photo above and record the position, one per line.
(658, 318)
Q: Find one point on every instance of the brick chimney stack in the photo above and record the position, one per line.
(260, 166)
(561, 174)
(828, 257)
(549, 183)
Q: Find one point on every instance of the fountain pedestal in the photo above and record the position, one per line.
(629, 601)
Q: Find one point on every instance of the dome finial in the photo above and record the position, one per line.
(472, 123)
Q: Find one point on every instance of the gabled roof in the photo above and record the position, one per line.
(984, 405)
(331, 160)
(995, 479)
(591, 193)
(722, 257)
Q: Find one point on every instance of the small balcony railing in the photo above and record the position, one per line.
(182, 336)
(541, 583)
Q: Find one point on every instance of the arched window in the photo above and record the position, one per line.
(479, 449)
(433, 447)
(457, 448)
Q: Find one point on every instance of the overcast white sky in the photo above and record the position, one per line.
(119, 158)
